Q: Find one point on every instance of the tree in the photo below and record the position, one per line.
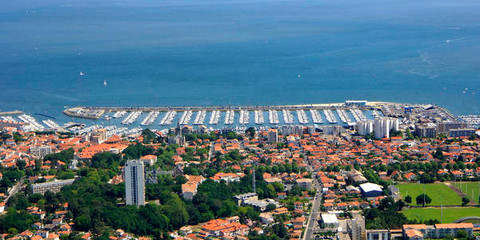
(408, 199)
(409, 134)
(149, 136)
(250, 131)
(271, 207)
(462, 234)
(420, 199)
(280, 230)
(465, 200)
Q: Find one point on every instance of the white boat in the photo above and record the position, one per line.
(82, 73)
(104, 83)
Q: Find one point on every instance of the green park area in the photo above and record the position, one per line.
(471, 189)
(440, 193)
(449, 214)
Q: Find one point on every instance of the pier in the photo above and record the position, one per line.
(329, 116)
(273, 116)
(259, 117)
(317, 118)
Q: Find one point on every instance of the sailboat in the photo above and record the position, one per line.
(81, 73)
(105, 83)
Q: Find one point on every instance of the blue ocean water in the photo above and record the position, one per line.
(238, 52)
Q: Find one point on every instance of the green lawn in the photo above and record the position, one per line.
(469, 188)
(438, 192)
(449, 214)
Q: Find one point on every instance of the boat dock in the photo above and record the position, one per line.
(215, 117)
(288, 116)
(302, 116)
(119, 114)
(150, 118)
(168, 118)
(51, 124)
(32, 121)
(185, 118)
(344, 116)
(329, 115)
(244, 117)
(200, 117)
(358, 114)
(259, 117)
(273, 116)
(316, 116)
(131, 118)
(229, 117)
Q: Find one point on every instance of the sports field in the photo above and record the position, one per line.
(471, 189)
(449, 214)
(438, 192)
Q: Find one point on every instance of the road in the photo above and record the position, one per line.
(315, 207)
(14, 189)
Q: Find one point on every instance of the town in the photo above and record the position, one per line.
(412, 173)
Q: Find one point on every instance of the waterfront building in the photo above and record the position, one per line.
(365, 127)
(428, 130)
(445, 127)
(382, 127)
(134, 183)
(273, 135)
(356, 103)
(99, 136)
(461, 132)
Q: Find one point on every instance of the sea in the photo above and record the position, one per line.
(63, 53)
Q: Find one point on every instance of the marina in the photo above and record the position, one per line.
(51, 124)
(244, 117)
(150, 118)
(185, 118)
(131, 118)
(215, 117)
(471, 120)
(200, 117)
(118, 120)
(229, 117)
(316, 116)
(259, 117)
(358, 114)
(329, 116)
(8, 118)
(343, 116)
(302, 116)
(168, 118)
(32, 121)
(288, 116)
(119, 114)
(273, 116)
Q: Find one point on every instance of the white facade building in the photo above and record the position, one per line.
(382, 127)
(365, 127)
(134, 183)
